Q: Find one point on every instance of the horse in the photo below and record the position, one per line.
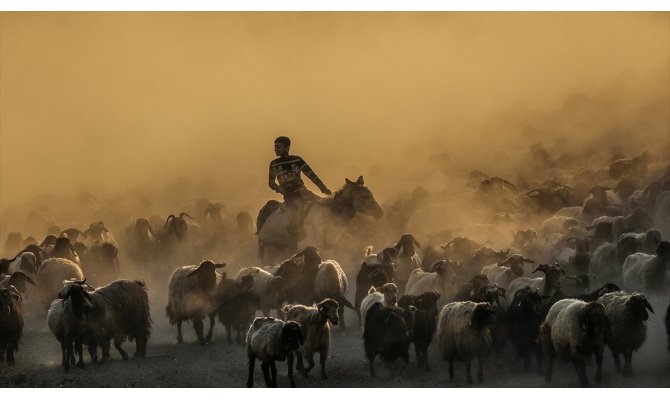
(325, 221)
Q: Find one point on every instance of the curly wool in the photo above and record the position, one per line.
(52, 273)
(456, 336)
(629, 331)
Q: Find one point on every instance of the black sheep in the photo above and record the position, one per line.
(425, 323)
(11, 322)
(523, 318)
(387, 333)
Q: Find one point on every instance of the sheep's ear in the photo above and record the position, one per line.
(348, 181)
(648, 306)
(360, 181)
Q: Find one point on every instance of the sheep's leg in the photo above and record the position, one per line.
(117, 345)
(229, 334)
(419, 359)
(451, 368)
(617, 361)
(273, 374)
(300, 366)
(340, 315)
(323, 354)
(265, 366)
(63, 352)
(289, 362)
(80, 352)
(105, 349)
(310, 362)
(580, 368)
(252, 364)
(180, 338)
(211, 328)
(69, 355)
(468, 372)
(93, 352)
(371, 359)
(198, 326)
(628, 363)
(538, 356)
(599, 366)
(10, 354)
(141, 345)
(480, 370)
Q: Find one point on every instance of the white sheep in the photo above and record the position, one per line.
(627, 314)
(315, 328)
(271, 339)
(574, 329)
(192, 295)
(442, 280)
(464, 333)
(331, 282)
(645, 272)
(52, 273)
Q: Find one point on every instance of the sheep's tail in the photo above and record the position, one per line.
(343, 300)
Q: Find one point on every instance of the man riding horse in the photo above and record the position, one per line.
(286, 169)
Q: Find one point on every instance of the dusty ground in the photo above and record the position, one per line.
(219, 364)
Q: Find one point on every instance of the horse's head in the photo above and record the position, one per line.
(361, 198)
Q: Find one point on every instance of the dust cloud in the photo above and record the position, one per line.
(145, 112)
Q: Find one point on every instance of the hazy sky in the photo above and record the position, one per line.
(120, 98)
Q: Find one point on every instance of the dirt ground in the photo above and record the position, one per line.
(219, 364)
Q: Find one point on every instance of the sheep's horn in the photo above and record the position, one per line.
(416, 242)
(168, 219)
(15, 291)
(182, 215)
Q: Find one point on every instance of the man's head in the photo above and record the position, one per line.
(282, 145)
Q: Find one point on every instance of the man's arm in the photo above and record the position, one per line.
(312, 176)
(272, 180)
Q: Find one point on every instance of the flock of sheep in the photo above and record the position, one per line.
(581, 279)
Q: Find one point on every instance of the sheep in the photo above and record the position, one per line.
(141, 243)
(115, 312)
(331, 282)
(98, 232)
(470, 289)
(372, 275)
(645, 272)
(667, 325)
(25, 262)
(52, 273)
(522, 319)
(442, 280)
(425, 323)
(64, 325)
(386, 295)
(63, 249)
(11, 323)
(316, 331)
(647, 242)
(192, 295)
(575, 329)
(408, 259)
(264, 287)
(101, 263)
(386, 332)
(504, 272)
(627, 314)
(636, 221)
(607, 259)
(464, 333)
(237, 304)
(17, 279)
(547, 285)
(270, 339)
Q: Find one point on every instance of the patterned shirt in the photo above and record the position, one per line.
(286, 170)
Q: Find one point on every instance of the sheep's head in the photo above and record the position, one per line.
(483, 316)
(329, 309)
(446, 269)
(626, 246)
(594, 321)
(652, 239)
(515, 262)
(427, 303)
(663, 251)
(79, 298)
(206, 272)
(177, 226)
(291, 336)
(639, 304)
(528, 302)
(407, 243)
(608, 288)
(96, 231)
(8, 297)
(310, 258)
(18, 279)
(390, 292)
